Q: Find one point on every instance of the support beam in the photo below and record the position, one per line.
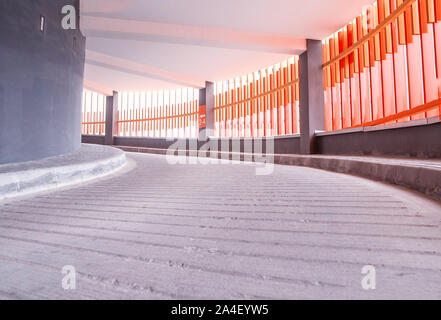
(94, 86)
(111, 118)
(312, 117)
(132, 67)
(190, 35)
(104, 6)
(206, 99)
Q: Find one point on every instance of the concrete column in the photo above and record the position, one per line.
(206, 98)
(312, 117)
(41, 81)
(111, 118)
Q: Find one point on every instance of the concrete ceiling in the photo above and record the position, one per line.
(156, 44)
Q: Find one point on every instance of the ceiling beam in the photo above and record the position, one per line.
(94, 86)
(190, 35)
(132, 67)
(104, 6)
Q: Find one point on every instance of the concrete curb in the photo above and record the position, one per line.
(420, 175)
(23, 179)
(425, 179)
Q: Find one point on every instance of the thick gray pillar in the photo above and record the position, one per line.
(206, 99)
(41, 80)
(312, 117)
(111, 118)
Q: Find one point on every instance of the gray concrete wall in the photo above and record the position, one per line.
(91, 139)
(282, 145)
(41, 81)
(157, 143)
(416, 141)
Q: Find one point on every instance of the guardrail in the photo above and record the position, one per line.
(168, 113)
(384, 66)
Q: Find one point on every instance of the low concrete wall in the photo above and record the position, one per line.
(282, 145)
(405, 139)
(92, 139)
(157, 143)
(420, 138)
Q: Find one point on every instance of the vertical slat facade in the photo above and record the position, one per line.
(383, 65)
(262, 103)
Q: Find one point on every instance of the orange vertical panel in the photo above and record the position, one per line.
(415, 18)
(408, 25)
(218, 113)
(365, 77)
(144, 119)
(271, 101)
(376, 70)
(388, 74)
(232, 108)
(387, 64)
(354, 77)
(264, 105)
(258, 107)
(431, 18)
(284, 100)
(148, 121)
(335, 79)
(414, 63)
(87, 120)
(222, 125)
(268, 104)
(437, 10)
(244, 107)
(429, 61)
(327, 93)
(437, 37)
(328, 110)
(235, 110)
(237, 106)
(381, 17)
(327, 89)
(95, 120)
(278, 124)
(296, 97)
(227, 109)
(345, 82)
(251, 105)
(400, 61)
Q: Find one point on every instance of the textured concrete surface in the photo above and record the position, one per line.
(161, 231)
(89, 162)
(423, 175)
